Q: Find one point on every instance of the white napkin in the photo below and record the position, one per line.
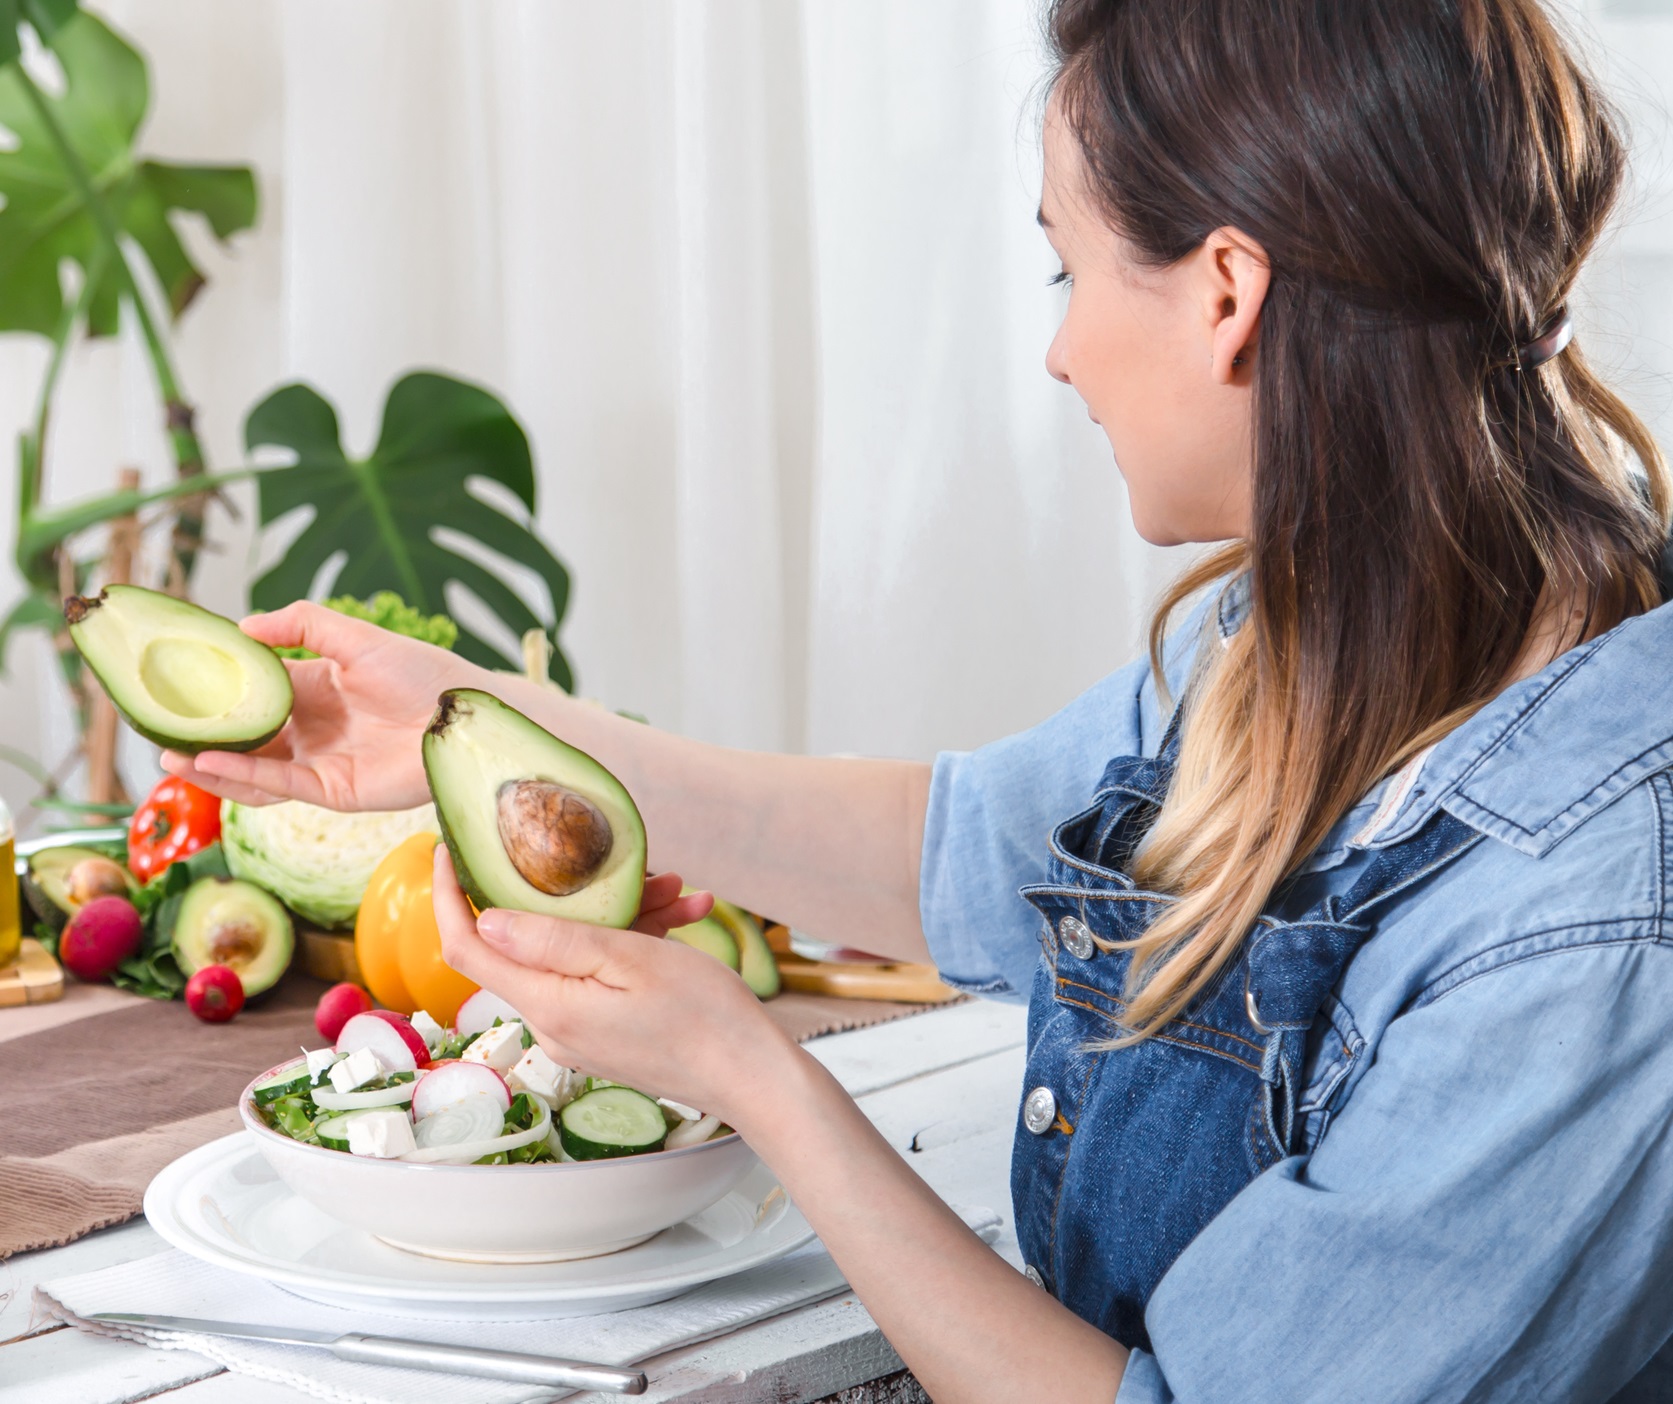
(173, 1284)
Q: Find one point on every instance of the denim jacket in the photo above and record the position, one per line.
(1480, 1205)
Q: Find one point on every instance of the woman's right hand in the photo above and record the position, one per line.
(353, 738)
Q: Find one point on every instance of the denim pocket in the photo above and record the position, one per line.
(1335, 1048)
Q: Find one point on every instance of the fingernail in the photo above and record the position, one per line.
(493, 924)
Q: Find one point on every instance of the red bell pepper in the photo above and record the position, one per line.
(176, 820)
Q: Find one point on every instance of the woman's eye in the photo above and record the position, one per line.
(1061, 279)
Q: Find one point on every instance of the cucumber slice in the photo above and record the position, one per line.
(333, 1132)
(609, 1122)
(281, 1084)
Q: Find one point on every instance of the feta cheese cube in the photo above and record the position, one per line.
(680, 1109)
(383, 1134)
(356, 1070)
(429, 1030)
(535, 1072)
(319, 1059)
(499, 1047)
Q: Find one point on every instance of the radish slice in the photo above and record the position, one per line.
(383, 1038)
(403, 1026)
(451, 1083)
(479, 1012)
(691, 1133)
(394, 1096)
(435, 1134)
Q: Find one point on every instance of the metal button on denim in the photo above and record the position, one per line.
(1032, 1273)
(1039, 1110)
(1076, 938)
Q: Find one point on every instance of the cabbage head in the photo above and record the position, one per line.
(316, 861)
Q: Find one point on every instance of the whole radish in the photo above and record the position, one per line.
(337, 1006)
(215, 994)
(99, 937)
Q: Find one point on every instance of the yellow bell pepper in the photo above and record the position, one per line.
(396, 941)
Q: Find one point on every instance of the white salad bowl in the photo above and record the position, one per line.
(505, 1213)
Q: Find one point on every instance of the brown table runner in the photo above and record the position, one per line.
(106, 1089)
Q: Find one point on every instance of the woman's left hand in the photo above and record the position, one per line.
(626, 1005)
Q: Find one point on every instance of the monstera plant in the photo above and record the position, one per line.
(88, 229)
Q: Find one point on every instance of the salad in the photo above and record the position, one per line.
(480, 1093)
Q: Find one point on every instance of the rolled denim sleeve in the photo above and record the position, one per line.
(1486, 1219)
(991, 811)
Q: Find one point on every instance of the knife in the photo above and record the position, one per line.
(415, 1355)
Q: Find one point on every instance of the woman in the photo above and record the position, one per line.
(1349, 1073)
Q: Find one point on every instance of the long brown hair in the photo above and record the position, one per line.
(1426, 178)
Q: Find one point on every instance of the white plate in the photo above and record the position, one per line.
(224, 1204)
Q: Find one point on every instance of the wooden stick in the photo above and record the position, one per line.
(104, 785)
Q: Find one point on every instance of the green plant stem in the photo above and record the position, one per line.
(183, 439)
(32, 467)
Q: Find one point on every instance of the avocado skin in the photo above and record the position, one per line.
(461, 869)
(192, 748)
(279, 938)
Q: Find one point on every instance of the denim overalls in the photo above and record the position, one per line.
(1123, 1156)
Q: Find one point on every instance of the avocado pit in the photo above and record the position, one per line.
(556, 839)
(235, 943)
(95, 877)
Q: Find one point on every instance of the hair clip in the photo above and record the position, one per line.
(1548, 345)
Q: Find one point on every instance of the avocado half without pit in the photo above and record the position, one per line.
(532, 824)
(184, 678)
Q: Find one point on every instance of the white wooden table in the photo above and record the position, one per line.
(942, 1086)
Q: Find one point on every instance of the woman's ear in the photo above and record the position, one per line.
(1235, 276)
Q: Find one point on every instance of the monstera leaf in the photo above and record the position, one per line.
(45, 16)
(382, 514)
(46, 220)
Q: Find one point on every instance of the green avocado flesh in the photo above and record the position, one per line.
(225, 921)
(60, 881)
(532, 824)
(710, 937)
(755, 956)
(181, 676)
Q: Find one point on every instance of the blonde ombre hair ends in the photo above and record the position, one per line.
(1421, 503)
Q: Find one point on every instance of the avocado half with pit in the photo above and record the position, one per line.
(59, 882)
(533, 825)
(227, 921)
(182, 677)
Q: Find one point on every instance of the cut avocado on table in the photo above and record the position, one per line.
(181, 676)
(710, 937)
(755, 956)
(226, 921)
(532, 824)
(58, 882)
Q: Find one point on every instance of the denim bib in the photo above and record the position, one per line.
(1123, 1156)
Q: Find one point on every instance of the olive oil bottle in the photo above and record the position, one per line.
(11, 926)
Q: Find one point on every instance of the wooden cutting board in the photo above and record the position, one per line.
(33, 978)
(902, 981)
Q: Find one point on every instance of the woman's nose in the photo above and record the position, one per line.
(1057, 359)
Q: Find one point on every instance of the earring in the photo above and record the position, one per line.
(1237, 360)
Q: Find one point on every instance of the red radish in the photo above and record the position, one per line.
(337, 1006)
(99, 937)
(453, 1081)
(479, 1012)
(394, 1050)
(215, 994)
(403, 1026)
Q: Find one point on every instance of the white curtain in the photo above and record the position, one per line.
(762, 282)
